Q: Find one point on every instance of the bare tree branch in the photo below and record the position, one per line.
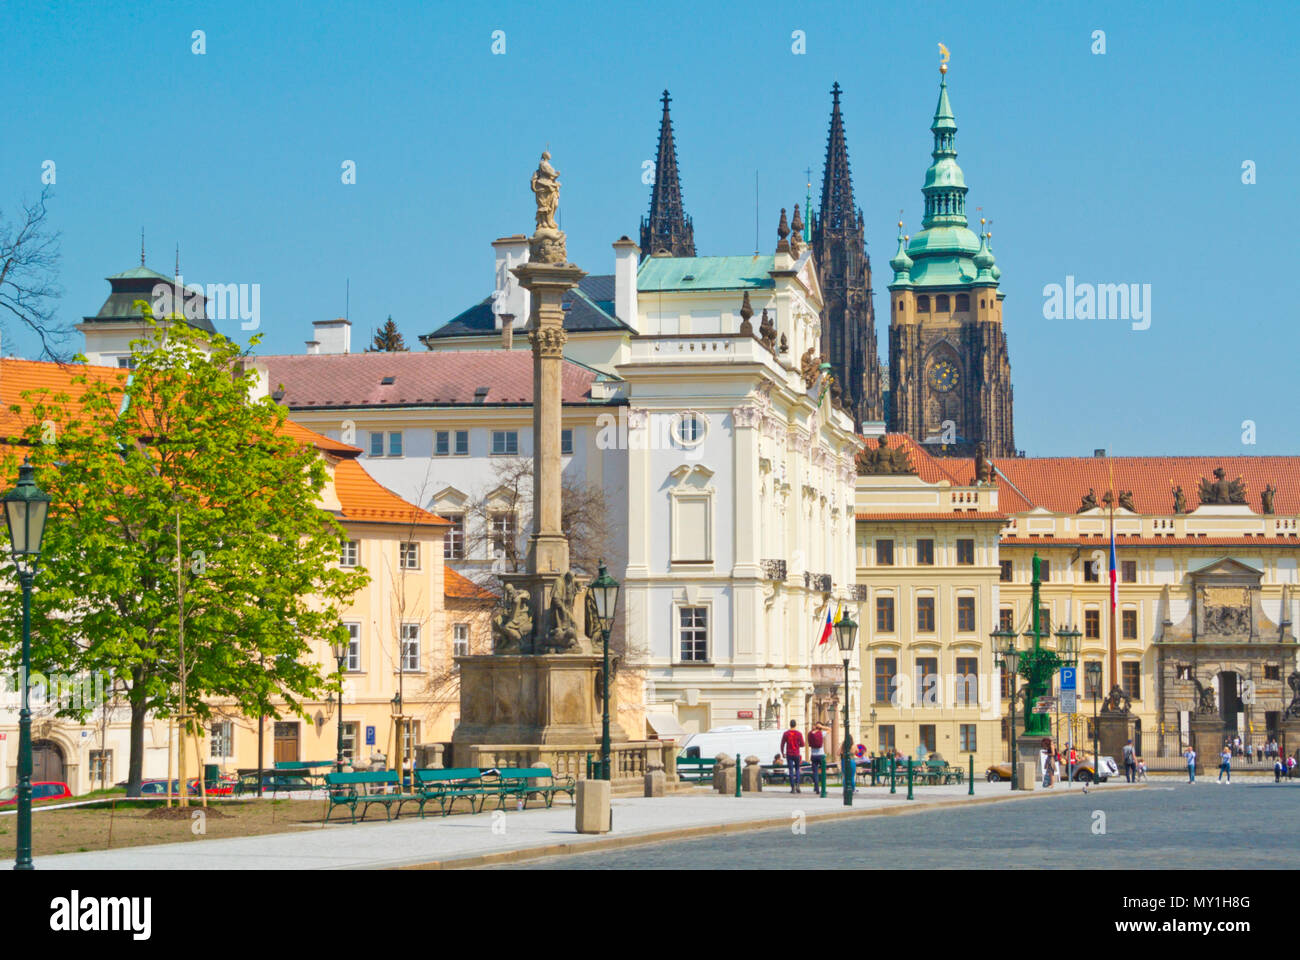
(29, 256)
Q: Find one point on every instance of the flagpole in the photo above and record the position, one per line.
(1114, 589)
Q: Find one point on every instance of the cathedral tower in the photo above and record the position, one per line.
(667, 231)
(839, 247)
(949, 373)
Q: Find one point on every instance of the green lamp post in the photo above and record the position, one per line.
(846, 635)
(340, 656)
(26, 507)
(1094, 681)
(605, 589)
(1009, 659)
(1037, 664)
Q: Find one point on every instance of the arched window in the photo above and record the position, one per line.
(963, 303)
(922, 304)
(941, 303)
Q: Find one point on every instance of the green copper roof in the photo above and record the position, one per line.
(943, 252)
(140, 273)
(705, 273)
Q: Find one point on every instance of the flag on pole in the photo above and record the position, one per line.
(826, 630)
(1113, 586)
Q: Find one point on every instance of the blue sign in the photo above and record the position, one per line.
(370, 736)
(1068, 678)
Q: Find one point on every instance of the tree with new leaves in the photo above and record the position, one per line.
(128, 462)
(388, 339)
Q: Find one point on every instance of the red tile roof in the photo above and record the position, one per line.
(456, 586)
(1058, 483)
(927, 467)
(18, 376)
(438, 377)
(366, 500)
(319, 440)
(974, 516)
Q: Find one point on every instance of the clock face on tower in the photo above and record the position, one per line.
(943, 376)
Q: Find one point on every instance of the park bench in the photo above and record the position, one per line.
(525, 782)
(451, 784)
(366, 788)
(695, 769)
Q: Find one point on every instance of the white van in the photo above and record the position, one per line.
(764, 744)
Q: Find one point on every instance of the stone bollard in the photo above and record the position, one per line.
(593, 815)
(670, 760)
(724, 774)
(656, 783)
(753, 782)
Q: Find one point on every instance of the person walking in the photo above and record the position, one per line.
(1190, 756)
(792, 747)
(1130, 762)
(1225, 765)
(817, 746)
(1279, 768)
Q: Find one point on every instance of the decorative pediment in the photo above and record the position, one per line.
(448, 499)
(691, 476)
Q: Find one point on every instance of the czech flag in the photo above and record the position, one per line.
(826, 630)
(1113, 587)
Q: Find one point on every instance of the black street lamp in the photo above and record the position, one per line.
(26, 507)
(1094, 681)
(1009, 658)
(846, 635)
(340, 656)
(605, 589)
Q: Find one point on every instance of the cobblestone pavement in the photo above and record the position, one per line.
(1165, 825)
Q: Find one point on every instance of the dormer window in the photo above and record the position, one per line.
(387, 381)
(922, 304)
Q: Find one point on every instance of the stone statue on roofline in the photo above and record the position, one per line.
(1221, 491)
(1266, 498)
(1088, 501)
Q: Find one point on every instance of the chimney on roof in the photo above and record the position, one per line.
(1099, 452)
(334, 336)
(627, 256)
(507, 330)
(509, 297)
(313, 346)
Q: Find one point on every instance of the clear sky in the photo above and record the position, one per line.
(1122, 167)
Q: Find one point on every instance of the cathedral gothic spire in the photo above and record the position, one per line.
(839, 248)
(949, 370)
(667, 231)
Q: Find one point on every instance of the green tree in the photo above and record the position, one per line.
(388, 339)
(178, 502)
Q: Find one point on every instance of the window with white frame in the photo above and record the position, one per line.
(352, 663)
(504, 532)
(349, 740)
(408, 555)
(350, 555)
(453, 542)
(101, 766)
(693, 634)
(505, 443)
(442, 443)
(222, 739)
(461, 448)
(410, 647)
(395, 443)
(460, 640)
(451, 443)
(376, 443)
(689, 429)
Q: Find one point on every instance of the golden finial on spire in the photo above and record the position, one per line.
(943, 64)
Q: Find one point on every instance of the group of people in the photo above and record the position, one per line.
(793, 745)
(1283, 766)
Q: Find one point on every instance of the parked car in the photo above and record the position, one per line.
(41, 790)
(999, 771)
(1084, 769)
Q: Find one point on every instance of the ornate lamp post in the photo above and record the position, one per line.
(605, 589)
(1069, 647)
(1009, 659)
(1094, 680)
(25, 509)
(340, 655)
(846, 635)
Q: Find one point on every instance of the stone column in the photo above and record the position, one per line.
(548, 549)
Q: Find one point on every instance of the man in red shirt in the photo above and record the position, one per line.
(792, 747)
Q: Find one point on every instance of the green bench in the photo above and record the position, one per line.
(451, 784)
(695, 769)
(365, 789)
(524, 782)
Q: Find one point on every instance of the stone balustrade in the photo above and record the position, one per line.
(630, 761)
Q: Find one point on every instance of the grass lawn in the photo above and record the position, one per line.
(78, 829)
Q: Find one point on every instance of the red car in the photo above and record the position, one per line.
(43, 790)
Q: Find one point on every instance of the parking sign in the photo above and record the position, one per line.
(1067, 678)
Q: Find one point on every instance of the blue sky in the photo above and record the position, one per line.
(1117, 168)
